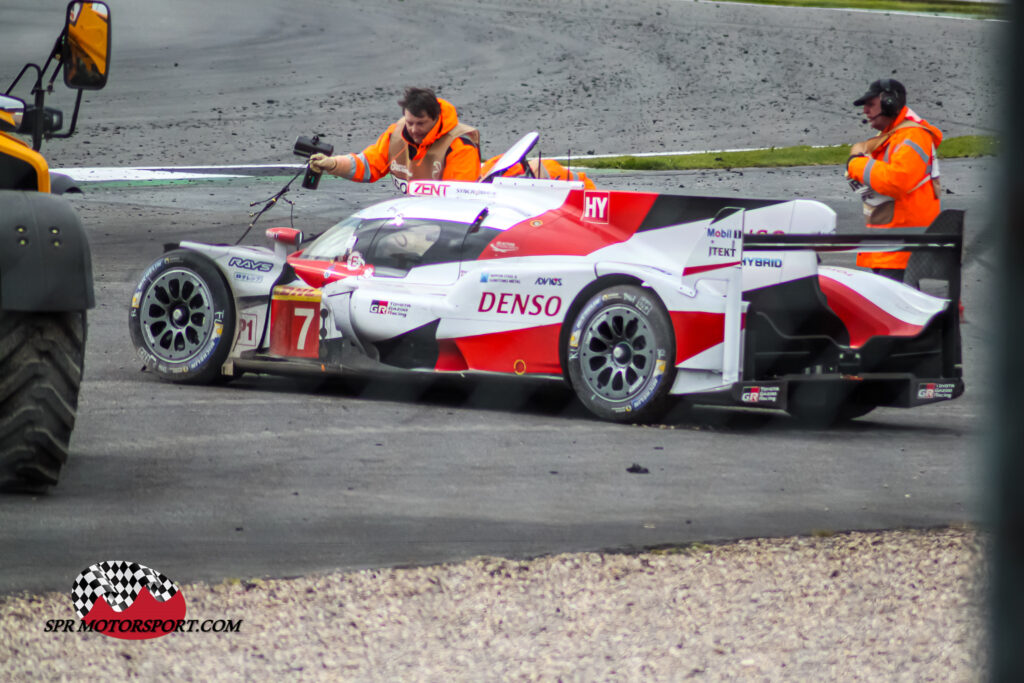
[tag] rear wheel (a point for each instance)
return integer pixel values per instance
(621, 355)
(182, 318)
(41, 360)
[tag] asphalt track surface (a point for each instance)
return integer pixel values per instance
(271, 476)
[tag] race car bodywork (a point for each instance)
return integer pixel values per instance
(631, 297)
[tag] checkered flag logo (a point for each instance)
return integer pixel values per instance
(119, 583)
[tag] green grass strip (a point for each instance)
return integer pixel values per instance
(979, 10)
(802, 155)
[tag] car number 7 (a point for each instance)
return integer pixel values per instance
(308, 314)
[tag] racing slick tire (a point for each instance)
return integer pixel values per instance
(182, 318)
(41, 361)
(621, 355)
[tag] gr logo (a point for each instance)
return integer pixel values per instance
(761, 394)
(127, 600)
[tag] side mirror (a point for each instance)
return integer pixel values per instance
(513, 156)
(85, 52)
(285, 236)
(12, 109)
(285, 240)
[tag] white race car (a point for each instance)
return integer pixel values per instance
(632, 298)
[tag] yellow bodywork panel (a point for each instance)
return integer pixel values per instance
(13, 150)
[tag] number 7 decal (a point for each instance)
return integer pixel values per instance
(307, 315)
(293, 333)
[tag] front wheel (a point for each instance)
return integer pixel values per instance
(621, 355)
(182, 318)
(41, 358)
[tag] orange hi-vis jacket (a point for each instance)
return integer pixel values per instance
(549, 169)
(903, 167)
(450, 151)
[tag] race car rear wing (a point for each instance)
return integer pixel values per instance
(936, 254)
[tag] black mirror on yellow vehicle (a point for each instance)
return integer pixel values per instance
(85, 52)
(11, 111)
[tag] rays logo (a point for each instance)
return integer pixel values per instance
(127, 600)
(249, 264)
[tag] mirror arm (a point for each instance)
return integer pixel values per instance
(58, 46)
(39, 77)
(74, 120)
(37, 123)
(39, 92)
(478, 221)
(55, 52)
(53, 76)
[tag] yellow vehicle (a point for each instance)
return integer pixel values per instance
(45, 264)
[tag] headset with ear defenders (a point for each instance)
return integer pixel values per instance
(889, 99)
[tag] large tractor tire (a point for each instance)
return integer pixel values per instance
(41, 360)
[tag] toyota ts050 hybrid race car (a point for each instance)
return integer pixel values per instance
(632, 298)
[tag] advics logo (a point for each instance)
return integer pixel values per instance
(127, 600)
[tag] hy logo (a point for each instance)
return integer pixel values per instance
(595, 206)
(115, 598)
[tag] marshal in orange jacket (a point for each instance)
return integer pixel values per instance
(450, 151)
(904, 167)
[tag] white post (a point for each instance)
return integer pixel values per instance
(733, 319)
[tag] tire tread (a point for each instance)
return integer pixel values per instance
(41, 363)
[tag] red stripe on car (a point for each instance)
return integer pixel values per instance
(530, 351)
(863, 319)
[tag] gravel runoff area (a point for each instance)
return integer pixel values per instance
(872, 606)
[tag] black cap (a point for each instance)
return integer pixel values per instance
(890, 85)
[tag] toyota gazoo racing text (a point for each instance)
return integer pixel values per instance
(632, 298)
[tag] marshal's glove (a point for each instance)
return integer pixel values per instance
(858, 148)
(867, 147)
(320, 162)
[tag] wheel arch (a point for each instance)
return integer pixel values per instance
(45, 262)
(61, 183)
